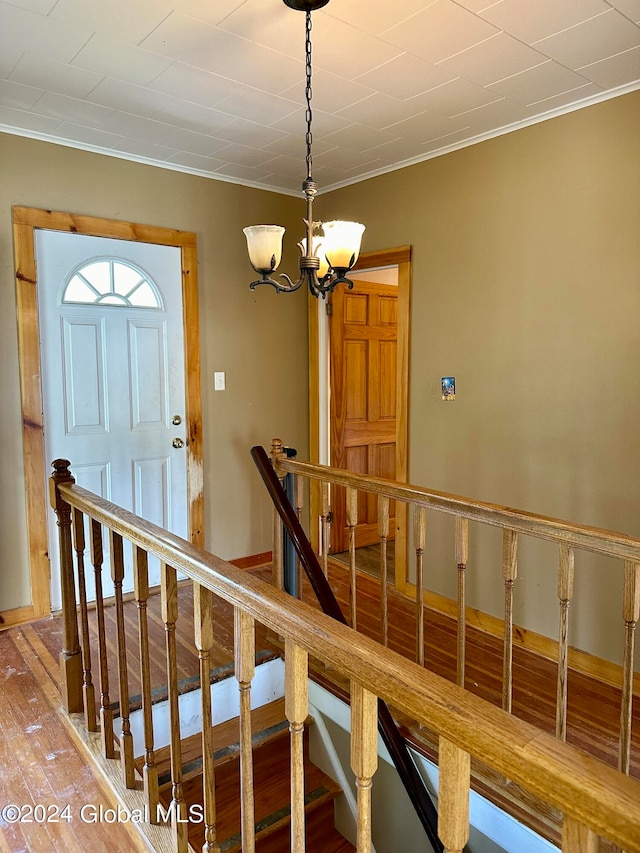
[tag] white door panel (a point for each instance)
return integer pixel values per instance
(113, 379)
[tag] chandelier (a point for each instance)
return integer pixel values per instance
(325, 259)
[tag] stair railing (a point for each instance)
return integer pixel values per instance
(595, 799)
(395, 743)
(514, 524)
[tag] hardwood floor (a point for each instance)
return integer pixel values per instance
(43, 763)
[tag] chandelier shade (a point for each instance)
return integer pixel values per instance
(324, 260)
(264, 244)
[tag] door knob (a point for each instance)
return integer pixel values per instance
(176, 420)
(177, 442)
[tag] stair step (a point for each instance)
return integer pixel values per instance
(266, 722)
(271, 768)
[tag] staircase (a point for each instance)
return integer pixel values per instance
(271, 769)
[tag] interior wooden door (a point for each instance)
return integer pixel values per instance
(363, 354)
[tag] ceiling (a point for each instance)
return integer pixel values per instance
(216, 87)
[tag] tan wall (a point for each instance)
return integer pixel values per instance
(250, 336)
(526, 287)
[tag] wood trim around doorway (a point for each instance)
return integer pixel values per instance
(400, 257)
(26, 221)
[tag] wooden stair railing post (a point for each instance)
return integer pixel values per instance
(141, 594)
(277, 566)
(70, 657)
(383, 533)
(565, 594)
(296, 711)
(203, 629)
(106, 712)
(419, 542)
(352, 521)
(178, 806)
(509, 574)
(577, 838)
(126, 738)
(325, 526)
(462, 558)
(630, 614)
(88, 689)
(364, 757)
(245, 665)
(453, 796)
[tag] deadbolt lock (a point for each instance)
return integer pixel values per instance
(176, 420)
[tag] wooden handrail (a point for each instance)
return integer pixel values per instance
(394, 741)
(587, 791)
(582, 536)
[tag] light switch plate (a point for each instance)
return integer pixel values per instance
(219, 381)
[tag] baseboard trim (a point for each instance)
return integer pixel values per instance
(583, 662)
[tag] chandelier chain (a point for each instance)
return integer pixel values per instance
(308, 93)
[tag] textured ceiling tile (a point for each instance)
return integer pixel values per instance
(25, 120)
(615, 70)
(440, 31)
(194, 84)
(61, 78)
(107, 56)
(454, 97)
(536, 84)
(349, 51)
(18, 95)
(72, 109)
(593, 40)
(117, 18)
(257, 106)
(330, 92)
(406, 76)
(630, 8)
(493, 59)
(88, 135)
(378, 17)
(41, 35)
(551, 16)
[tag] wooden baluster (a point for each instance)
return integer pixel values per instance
(352, 521)
(88, 689)
(277, 557)
(631, 614)
(577, 838)
(298, 492)
(509, 574)
(245, 663)
(462, 558)
(297, 710)
(178, 806)
(565, 594)
(126, 738)
(326, 527)
(383, 533)
(203, 624)
(141, 594)
(419, 541)
(70, 657)
(106, 713)
(364, 757)
(453, 796)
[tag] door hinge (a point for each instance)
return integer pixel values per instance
(329, 308)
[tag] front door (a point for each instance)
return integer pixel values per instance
(363, 353)
(112, 363)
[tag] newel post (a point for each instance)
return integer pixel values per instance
(70, 656)
(277, 559)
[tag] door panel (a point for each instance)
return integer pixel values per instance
(363, 354)
(112, 379)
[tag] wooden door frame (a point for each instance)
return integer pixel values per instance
(26, 221)
(401, 258)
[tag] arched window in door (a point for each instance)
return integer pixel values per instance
(111, 281)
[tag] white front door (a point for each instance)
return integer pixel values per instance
(113, 379)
